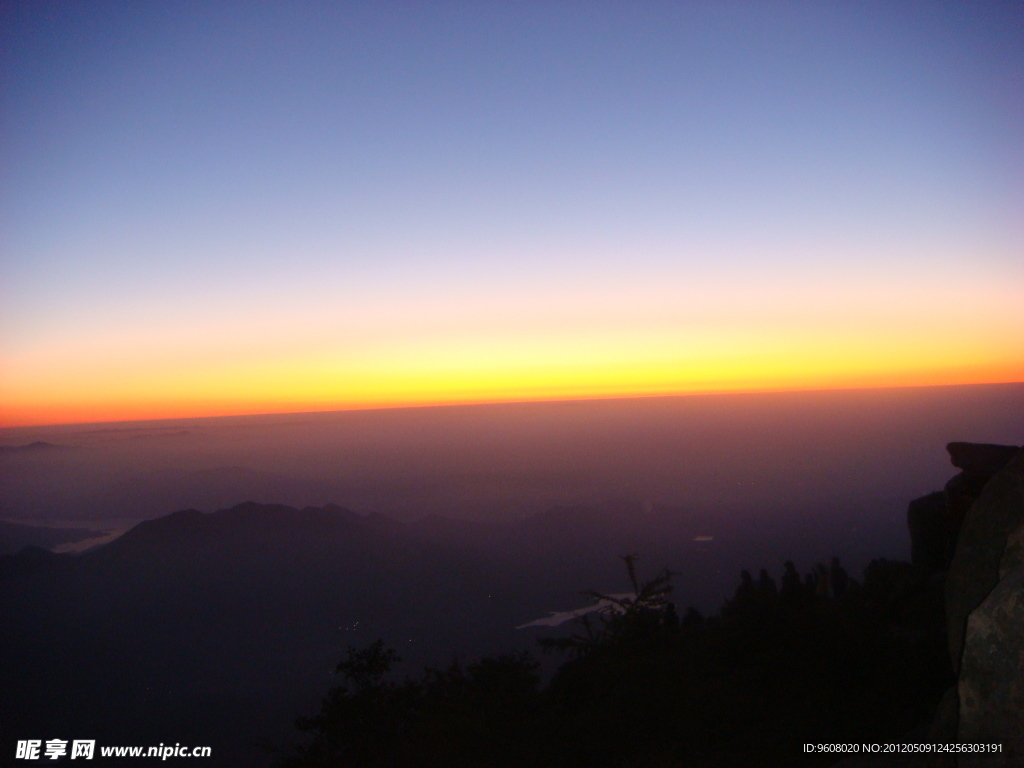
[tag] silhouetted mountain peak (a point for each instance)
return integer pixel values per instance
(249, 526)
(250, 508)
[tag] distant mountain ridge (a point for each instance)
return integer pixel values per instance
(195, 626)
(227, 623)
(16, 536)
(218, 627)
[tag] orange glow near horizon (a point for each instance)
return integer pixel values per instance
(467, 373)
(356, 216)
(103, 413)
(609, 343)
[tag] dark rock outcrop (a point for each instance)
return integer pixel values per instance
(931, 544)
(980, 462)
(980, 545)
(991, 680)
(935, 520)
(983, 509)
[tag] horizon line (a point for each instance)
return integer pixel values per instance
(540, 400)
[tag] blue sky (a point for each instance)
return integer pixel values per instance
(175, 167)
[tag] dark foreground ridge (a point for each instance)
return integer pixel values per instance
(823, 659)
(642, 686)
(216, 629)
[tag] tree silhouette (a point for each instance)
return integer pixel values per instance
(639, 687)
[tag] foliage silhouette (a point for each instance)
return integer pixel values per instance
(640, 687)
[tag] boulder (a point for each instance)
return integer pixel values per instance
(980, 459)
(984, 512)
(980, 545)
(991, 683)
(979, 462)
(980, 517)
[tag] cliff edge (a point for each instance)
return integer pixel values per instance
(979, 519)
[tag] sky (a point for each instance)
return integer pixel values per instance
(226, 208)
